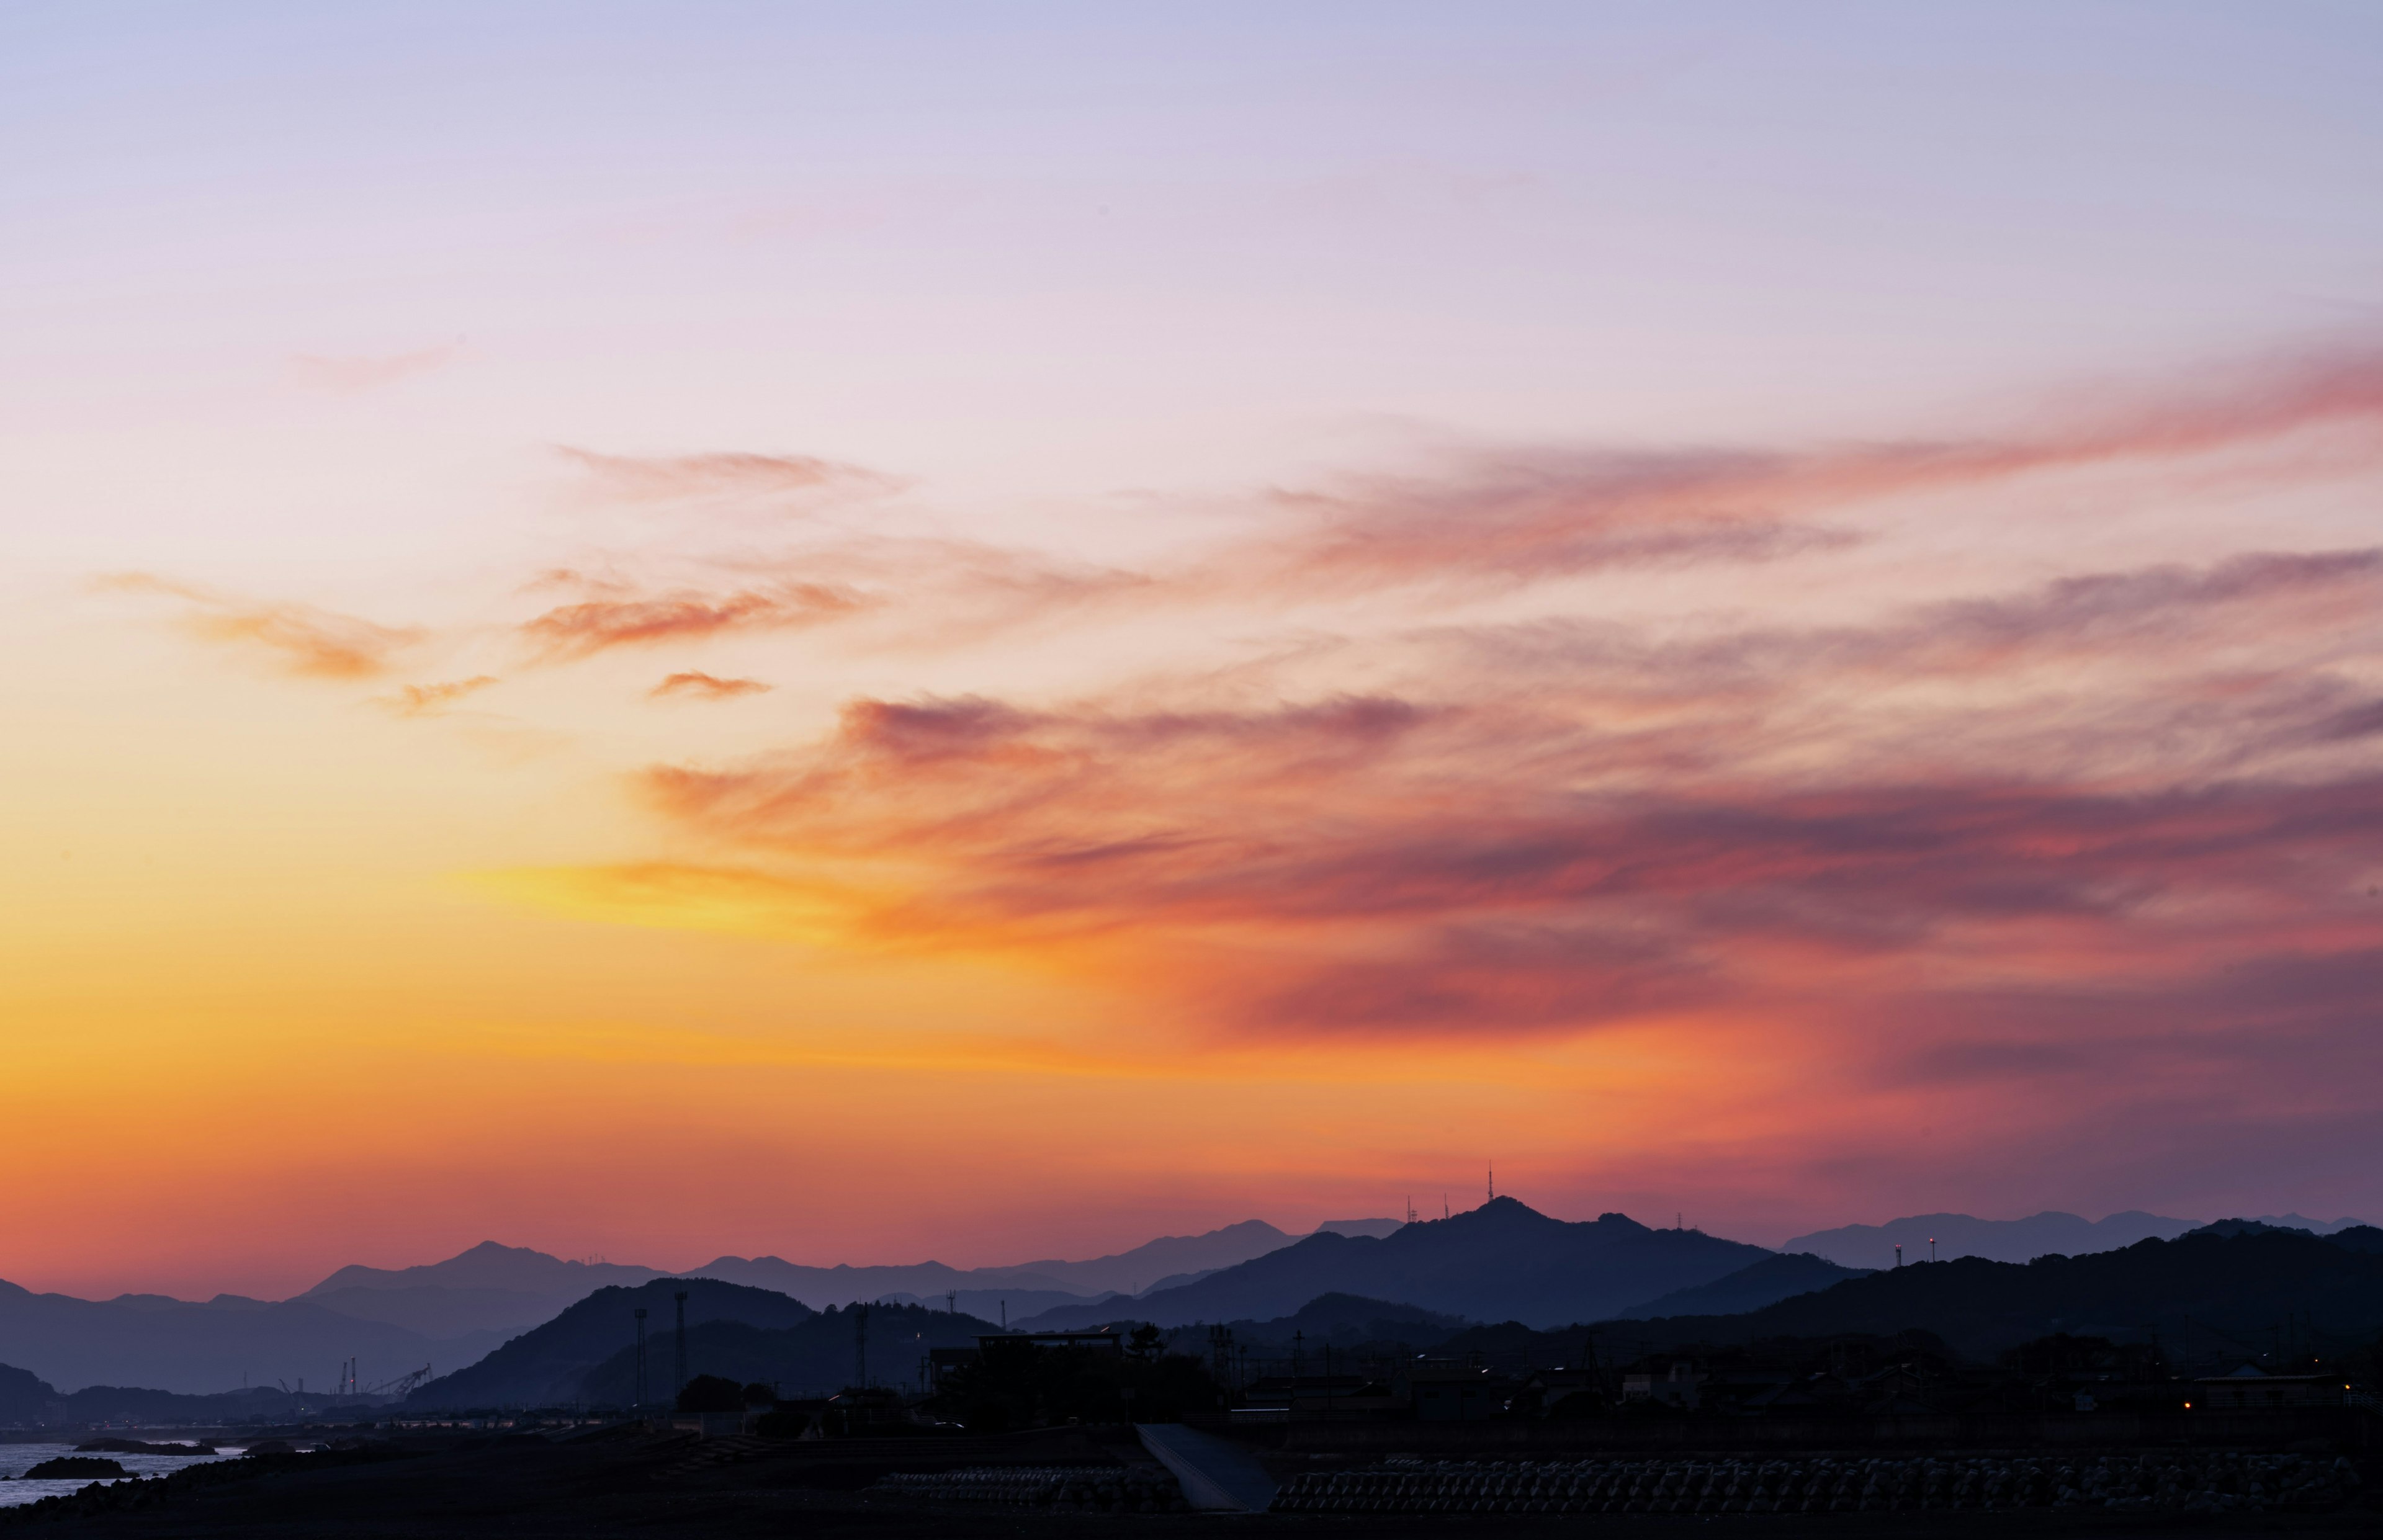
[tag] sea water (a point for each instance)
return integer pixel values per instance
(17, 1459)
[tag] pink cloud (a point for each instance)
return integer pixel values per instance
(301, 639)
(353, 376)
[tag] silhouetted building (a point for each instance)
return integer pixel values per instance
(1674, 1386)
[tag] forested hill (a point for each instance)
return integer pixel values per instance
(816, 1357)
(545, 1365)
(2241, 1286)
(1501, 1260)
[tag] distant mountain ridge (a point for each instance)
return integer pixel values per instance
(1961, 1235)
(2207, 1283)
(1750, 1288)
(1142, 1267)
(1501, 1260)
(151, 1341)
(490, 1288)
(516, 1269)
(450, 1313)
(27, 1400)
(2327, 1227)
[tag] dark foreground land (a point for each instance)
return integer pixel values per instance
(639, 1483)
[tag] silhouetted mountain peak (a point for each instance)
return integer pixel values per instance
(1503, 1260)
(2249, 1226)
(1501, 1215)
(547, 1361)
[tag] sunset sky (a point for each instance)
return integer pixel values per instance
(867, 633)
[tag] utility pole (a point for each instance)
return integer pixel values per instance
(640, 1314)
(681, 1366)
(860, 1345)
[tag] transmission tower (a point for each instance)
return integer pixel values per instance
(640, 1314)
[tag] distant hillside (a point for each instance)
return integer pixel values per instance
(146, 1339)
(998, 1304)
(545, 1367)
(27, 1400)
(1498, 1262)
(2357, 1238)
(816, 1357)
(505, 1269)
(1959, 1235)
(476, 1299)
(1377, 1228)
(2240, 1285)
(844, 1283)
(1345, 1320)
(25, 1396)
(1141, 1268)
(442, 1314)
(1763, 1283)
(1126, 1272)
(490, 1289)
(2314, 1226)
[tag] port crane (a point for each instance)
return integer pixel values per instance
(402, 1387)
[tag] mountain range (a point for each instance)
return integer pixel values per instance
(2050, 1233)
(2231, 1286)
(451, 1313)
(1500, 1261)
(151, 1341)
(1168, 1261)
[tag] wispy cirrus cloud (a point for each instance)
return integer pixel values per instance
(428, 700)
(594, 625)
(1530, 515)
(1500, 520)
(724, 476)
(355, 376)
(299, 638)
(694, 684)
(1497, 852)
